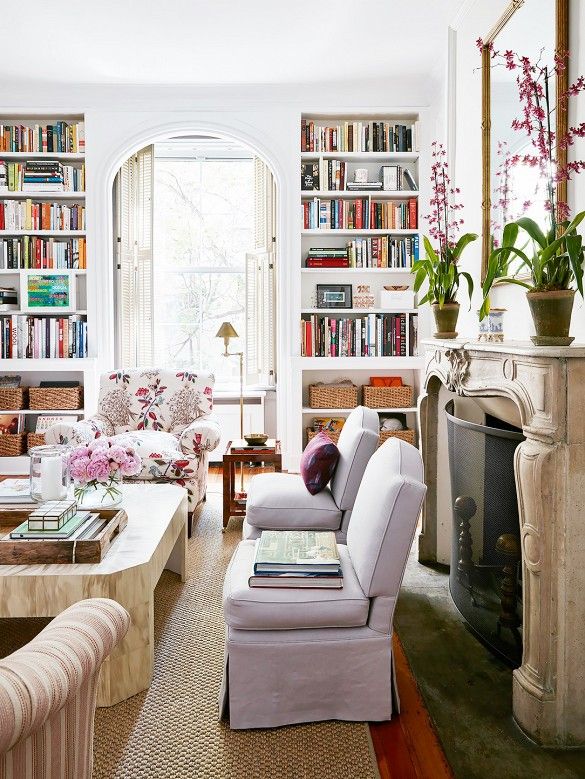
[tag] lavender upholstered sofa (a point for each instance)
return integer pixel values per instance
(295, 655)
(280, 501)
(48, 692)
(165, 414)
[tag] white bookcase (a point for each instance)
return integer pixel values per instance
(31, 370)
(359, 369)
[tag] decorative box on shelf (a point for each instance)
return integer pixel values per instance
(406, 435)
(13, 398)
(397, 298)
(34, 439)
(55, 398)
(387, 397)
(333, 396)
(12, 445)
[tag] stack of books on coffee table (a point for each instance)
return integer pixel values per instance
(297, 558)
(55, 519)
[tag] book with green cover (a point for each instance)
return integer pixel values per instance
(66, 531)
(297, 551)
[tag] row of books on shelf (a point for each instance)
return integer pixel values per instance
(370, 335)
(41, 176)
(38, 337)
(359, 214)
(38, 253)
(59, 138)
(359, 137)
(332, 175)
(381, 251)
(28, 215)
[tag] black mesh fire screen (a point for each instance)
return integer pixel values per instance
(485, 577)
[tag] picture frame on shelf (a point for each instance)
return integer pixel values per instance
(334, 296)
(48, 292)
(11, 424)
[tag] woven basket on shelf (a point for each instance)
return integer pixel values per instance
(333, 436)
(35, 439)
(406, 435)
(55, 398)
(13, 398)
(387, 397)
(12, 445)
(332, 397)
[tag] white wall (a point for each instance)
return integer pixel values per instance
(121, 119)
(475, 21)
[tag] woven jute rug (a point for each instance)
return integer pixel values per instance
(172, 730)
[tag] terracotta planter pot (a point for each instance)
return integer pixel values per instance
(551, 314)
(445, 319)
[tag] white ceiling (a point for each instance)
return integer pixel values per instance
(222, 41)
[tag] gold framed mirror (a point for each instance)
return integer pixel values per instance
(527, 27)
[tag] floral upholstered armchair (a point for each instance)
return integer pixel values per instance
(164, 414)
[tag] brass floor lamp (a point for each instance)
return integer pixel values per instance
(227, 331)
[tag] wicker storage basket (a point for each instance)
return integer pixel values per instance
(12, 398)
(55, 398)
(12, 445)
(332, 397)
(387, 397)
(406, 435)
(333, 436)
(35, 439)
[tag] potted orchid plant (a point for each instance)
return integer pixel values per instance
(554, 254)
(440, 266)
(97, 469)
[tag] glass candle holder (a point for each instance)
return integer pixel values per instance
(49, 474)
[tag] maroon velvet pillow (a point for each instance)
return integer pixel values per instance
(318, 462)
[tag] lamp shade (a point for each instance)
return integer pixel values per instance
(226, 330)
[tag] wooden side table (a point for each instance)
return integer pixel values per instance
(234, 503)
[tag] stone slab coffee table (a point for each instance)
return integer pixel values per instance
(155, 538)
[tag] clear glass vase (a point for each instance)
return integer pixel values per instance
(98, 494)
(49, 474)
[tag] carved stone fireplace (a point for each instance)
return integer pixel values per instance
(548, 387)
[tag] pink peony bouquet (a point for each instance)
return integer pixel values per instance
(101, 464)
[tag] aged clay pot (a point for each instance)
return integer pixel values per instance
(551, 314)
(445, 319)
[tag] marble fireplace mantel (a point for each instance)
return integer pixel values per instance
(548, 387)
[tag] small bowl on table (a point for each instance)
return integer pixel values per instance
(256, 439)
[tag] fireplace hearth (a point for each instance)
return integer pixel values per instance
(485, 577)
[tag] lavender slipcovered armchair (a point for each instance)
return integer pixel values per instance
(280, 501)
(165, 414)
(48, 693)
(302, 655)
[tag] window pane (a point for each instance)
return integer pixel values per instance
(203, 227)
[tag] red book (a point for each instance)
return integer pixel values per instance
(398, 348)
(2, 216)
(358, 215)
(412, 213)
(61, 354)
(308, 339)
(326, 262)
(303, 135)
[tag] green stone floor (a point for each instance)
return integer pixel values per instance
(467, 691)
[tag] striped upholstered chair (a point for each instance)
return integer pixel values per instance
(48, 693)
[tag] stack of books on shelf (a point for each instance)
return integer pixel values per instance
(359, 137)
(370, 335)
(35, 252)
(370, 186)
(297, 558)
(27, 215)
(58, 138)
(35, 337)
(8, 299)
(327, 257)
(383, 251)
(359, 214)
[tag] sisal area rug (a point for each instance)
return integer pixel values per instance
(172, 729)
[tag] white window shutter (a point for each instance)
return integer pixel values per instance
(260, 283)
(134, 190)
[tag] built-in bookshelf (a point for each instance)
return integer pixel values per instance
(359, 234)
(44, 258)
